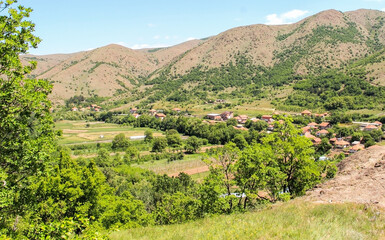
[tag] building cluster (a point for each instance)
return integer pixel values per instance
(315, 132)
(92, 107)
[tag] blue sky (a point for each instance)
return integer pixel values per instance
(68, 26)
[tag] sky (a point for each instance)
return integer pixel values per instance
(68, 26)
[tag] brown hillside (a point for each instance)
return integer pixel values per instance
(309, 43)
(102, 71)
(360, 179)
(261, 44)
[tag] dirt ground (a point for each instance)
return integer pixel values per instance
(360, 179)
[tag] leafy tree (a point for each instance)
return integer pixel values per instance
(26, 135)
(324, 147)
(148, 136)
(192, 144)
(159, 144)
(294, 154)
(103, 159)
(258, 170)
(120, 141)
(223, 162)
(173, 139)
(240, 141)
(177, 208)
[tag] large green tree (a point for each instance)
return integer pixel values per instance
(26, 135)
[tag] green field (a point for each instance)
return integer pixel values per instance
(79, 132)
(293, 220)
(164, 167)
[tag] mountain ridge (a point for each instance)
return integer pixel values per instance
(329, 39)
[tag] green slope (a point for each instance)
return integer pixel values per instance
(293, 220)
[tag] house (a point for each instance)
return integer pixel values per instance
(242, 118)
(214, 116)
(356, 143)
(305, 129)
(135, 115)
(176, 110)
(97, 109)
(254, 119)
(377, 124)
(160, 116)
(227, 115)
(322, 133)
(74, 109)
(133, 110)
(324, 125)
(312, 125)
(309, 135)
(356, 148)
(370, 128)
(240, 127)
(152, 112)
(267, 118)
(341, 144)
(316, 141)
(306, 113)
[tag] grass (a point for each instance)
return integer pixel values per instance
(165, 167)
(293, 220)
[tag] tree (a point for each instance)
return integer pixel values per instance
(120, 141)
(173, 138)
(193, 144)
(159, 144)
(294, 155)
(223, 165)
(26, 133)
(148, 136)
(240, 141)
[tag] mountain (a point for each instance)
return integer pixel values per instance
(103, 71)
(242, 61)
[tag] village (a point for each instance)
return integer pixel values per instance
(313, 130)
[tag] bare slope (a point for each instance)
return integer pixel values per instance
(329, 39)
(103, 71)
(360, 179)
(266, 44)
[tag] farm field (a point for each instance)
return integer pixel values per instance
(81, 132)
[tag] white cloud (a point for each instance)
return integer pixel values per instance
(237, 19)
(190, 38)
(167, 37)
(156, 37)
(141, 46)
(150, 25)
(383, 9)
(285, 18)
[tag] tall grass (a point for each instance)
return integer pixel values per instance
(293, 220)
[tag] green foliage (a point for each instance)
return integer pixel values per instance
(192, 144)
(337, 91)
(120, 142)
(177, 208)
(159, 144)
(26, 135)
(148, 135)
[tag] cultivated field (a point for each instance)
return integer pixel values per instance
(80, 132)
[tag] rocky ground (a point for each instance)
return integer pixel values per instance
(360, 179)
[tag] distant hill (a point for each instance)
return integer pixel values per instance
(239, 62)
(104, 71)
